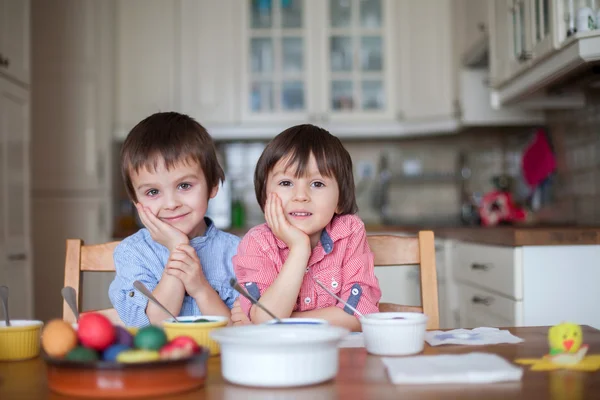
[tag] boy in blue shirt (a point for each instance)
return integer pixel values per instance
(170, 168)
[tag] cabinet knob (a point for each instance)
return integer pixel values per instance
(486, 301)
(4, 61)
(481, 267)
(17, 257)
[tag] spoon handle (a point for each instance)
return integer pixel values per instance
(338, 298)
(234, 284)
(142, 288)
(4, 297)
(68, 293)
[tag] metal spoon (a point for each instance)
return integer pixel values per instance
(338, 298)
(142, 288)
(68, 293)
(234, 284)
(4, 297)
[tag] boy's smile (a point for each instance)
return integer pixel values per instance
(178, 196)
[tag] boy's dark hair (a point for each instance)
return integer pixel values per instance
(297, 143)
(171, 137)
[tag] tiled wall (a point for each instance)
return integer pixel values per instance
(576, 134)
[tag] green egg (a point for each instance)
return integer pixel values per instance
(81, 353)
(150, 338)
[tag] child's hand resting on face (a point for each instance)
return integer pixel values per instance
(184, 264)
(160, 231)
(282, 229)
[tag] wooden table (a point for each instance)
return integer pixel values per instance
(363, 376)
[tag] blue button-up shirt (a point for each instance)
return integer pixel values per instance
(138, 257)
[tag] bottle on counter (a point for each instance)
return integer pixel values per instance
(238, 213)
(586, 18)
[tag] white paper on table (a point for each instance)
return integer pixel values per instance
(476, 336)
(451, 368)
(353, 339)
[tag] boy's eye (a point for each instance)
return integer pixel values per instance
(152, 192)
(285, 183)
(185, 186)
(318, 184)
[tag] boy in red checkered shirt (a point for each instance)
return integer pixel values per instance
(305, 186)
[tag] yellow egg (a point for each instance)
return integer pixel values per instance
(137, 356)
(58, 338)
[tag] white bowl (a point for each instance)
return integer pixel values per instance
(299, 321)
(279, 355)
(394, 333)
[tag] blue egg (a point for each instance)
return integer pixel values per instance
(110, 354)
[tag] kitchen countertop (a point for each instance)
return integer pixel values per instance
(499, 236)
(507, 235)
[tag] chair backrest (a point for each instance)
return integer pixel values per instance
(390, 250)
(93, 258)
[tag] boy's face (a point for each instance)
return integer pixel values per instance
(178, 196)
(310, 201)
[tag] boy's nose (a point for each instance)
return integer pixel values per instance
(171, 202)
(301, 194)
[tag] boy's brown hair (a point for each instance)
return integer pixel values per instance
(171, 138)
(298, 143)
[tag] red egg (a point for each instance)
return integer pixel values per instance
(96, 331)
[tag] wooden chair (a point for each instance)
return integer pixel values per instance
(392, 250)
(81, 258)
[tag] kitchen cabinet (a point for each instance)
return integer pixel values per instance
(58, 219)
(15, 240)
(526, 285)
(73, 96)
(14, 40)
(318, 61)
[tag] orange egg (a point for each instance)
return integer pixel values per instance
(58, 338)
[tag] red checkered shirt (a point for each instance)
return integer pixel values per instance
(342, 260)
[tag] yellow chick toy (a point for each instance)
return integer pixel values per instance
(565, 338)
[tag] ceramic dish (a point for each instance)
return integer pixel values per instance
(198, 330)
(279, 355)
(298, 321)
(21, 340)
(111, 379)
(394, 333)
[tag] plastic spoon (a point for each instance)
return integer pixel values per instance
(338, 298)
(144, 290)
(4, 297)
(68, 293)
(234, 284)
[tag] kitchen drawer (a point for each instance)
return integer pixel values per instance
(496, 268)
(479, 307)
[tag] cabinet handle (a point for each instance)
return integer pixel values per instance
(524, 56)
(481, 267)
(4, 61)
(17, 257)
(486, 301)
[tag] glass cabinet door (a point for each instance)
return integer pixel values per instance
(357, 65)
(276, 52)
(519, 19)
(541, 24)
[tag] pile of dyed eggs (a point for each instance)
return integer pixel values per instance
(96, 338)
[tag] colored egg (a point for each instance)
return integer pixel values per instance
(81, 353)
(137, 356)
(150, 338)
(58, 338)
(122, 336)
(96, 331)
(111, 353)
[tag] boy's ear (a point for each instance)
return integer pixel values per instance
(214, 192)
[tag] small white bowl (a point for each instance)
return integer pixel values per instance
(299, 321)
(279, 355)
(394, 333)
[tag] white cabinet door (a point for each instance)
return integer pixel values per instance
(72, 121)
(542, 27)
(424, 61)
(14, 39)
(499, 42)
(147, 57)
(209, 60)
(57, 220)
(15, 240)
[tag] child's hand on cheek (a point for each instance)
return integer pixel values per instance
(282, 229)
(161, 232)
(184, 264)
